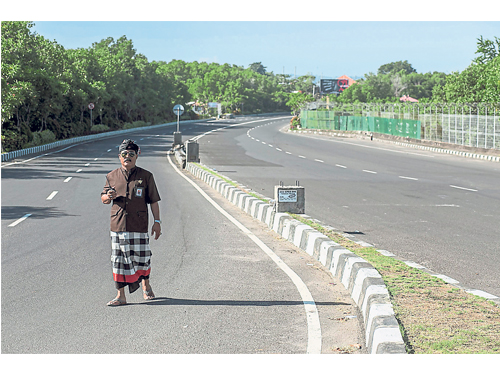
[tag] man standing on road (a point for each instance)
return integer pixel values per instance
(131, 189)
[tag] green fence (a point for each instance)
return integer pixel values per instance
(329, 120)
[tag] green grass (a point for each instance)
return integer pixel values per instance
(434, 316)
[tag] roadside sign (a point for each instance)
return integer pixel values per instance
(91, 105)
(178, 109)
(287, 195)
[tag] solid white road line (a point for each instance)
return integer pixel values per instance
(68, 179)
(462, 188)
(312, 316)
(19, 220)
(52, 195)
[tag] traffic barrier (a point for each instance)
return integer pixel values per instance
(37, 149)
(360, 278)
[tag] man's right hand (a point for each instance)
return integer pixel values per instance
(111, 194)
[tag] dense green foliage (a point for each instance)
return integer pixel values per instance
(480, 82)
(391, 82)
(46, 88)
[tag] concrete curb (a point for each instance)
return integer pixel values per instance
(360, 278)
(465, 154)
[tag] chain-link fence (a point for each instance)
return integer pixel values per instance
(474, 125)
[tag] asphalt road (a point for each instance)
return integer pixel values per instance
(438, 210)
(217, 292)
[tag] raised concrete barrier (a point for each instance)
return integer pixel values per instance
(360, 278)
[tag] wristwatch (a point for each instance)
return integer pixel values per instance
(158, 221)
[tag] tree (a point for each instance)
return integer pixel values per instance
(479, 82)
(297, 101)
(487, 49)
(396, 67)
(257, 67)
(398, 84)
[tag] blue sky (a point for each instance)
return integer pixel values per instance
(429, 36)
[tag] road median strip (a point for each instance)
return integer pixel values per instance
(405, 309)
(362, 281)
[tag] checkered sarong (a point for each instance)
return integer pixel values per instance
(130, 257)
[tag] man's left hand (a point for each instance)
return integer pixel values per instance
(156, 230)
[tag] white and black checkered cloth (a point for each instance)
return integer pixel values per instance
(130, 257)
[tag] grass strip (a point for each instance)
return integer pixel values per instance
(434, 317)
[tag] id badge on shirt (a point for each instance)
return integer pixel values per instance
(139, 192)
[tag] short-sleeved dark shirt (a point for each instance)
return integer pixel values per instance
(135, 190)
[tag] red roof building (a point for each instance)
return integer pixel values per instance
(350, 81)
(407, 98)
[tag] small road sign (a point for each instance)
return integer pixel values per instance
(178, 109)
(91, 105)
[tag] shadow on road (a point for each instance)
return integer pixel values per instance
(15, 212)
(163, 301)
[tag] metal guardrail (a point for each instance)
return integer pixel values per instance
(33, 150)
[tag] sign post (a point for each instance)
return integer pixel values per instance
(178, 110)
(91, 107)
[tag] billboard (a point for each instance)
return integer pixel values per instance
(333, 86)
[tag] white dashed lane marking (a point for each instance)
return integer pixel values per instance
(19, 220)
(344, 167)
(462, 188)
(52, 195)
(68, 179)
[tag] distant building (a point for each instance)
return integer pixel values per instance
(407, 98)
(335, 86)
(349, 80)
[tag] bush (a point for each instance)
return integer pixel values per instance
(99, 128)
(12, 141)
(294, 123)
(42, 138)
